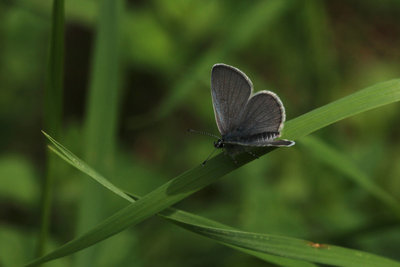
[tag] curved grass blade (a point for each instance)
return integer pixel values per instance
(170, 213)
(369, 98)
(293, 248)
(68, 156)
(262, 246)
(201, 176)
(345, 165)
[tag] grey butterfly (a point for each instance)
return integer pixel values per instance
(244, 119)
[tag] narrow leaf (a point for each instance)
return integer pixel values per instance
(170, 214)
(68, 156)
(294, 248)
(52, 113)
(371, 97)
(100, 123)
(345, 165)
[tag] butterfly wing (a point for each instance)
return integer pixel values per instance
(281, 142)
(262, 121)
(230, 90)
(259, 141)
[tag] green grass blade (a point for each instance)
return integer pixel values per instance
(55, 71)
(65, 154)
(101, 117)
(293, 248)
(331, 157)
(191, 222)
(52, 112)
(170, 213)
(371, 97)
(258, 245)
(199, 177)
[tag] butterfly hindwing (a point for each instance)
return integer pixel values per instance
(264, 112)
(261, 122)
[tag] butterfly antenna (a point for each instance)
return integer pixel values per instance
(203, 133)
(209, 156)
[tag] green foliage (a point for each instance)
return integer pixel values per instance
(136, 76)
(24, 189)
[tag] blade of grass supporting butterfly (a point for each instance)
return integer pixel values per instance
(342, 163)
(52, 112)
(198, 177)
(170, 213)
(258, 245)
(369, 98)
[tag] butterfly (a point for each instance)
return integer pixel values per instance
(245, 119)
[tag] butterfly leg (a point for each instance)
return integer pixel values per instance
(253, 154)
(248, 151)
(231, 152)
(233, 158)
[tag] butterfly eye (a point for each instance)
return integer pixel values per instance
(218, 144)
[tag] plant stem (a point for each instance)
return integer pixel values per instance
(52, 114)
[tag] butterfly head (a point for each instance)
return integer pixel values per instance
(219, 143)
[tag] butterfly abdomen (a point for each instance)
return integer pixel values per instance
(260, 137)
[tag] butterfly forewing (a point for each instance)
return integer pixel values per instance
(230, 90)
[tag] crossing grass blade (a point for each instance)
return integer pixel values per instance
(171, 214)
(263, 246)
(292, 248)
(201, 176)
(340, 162)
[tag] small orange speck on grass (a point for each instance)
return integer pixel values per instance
(317, 245)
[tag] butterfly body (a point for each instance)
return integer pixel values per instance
(260, 138)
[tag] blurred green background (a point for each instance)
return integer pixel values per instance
(309, 52)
